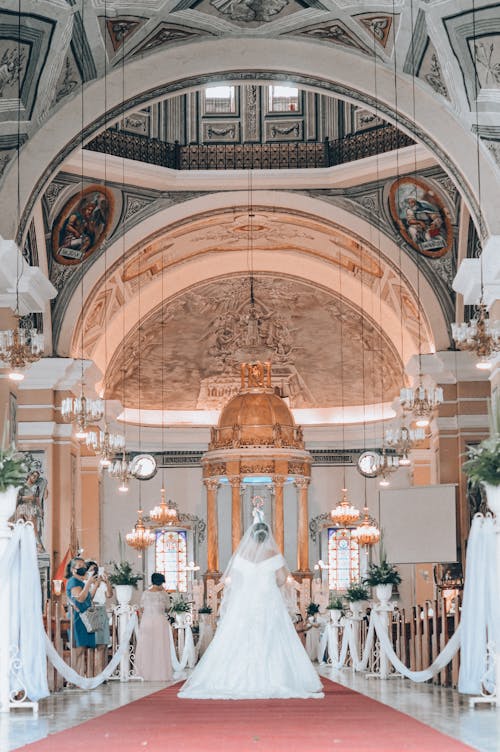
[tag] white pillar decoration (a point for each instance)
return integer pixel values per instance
(7, 508)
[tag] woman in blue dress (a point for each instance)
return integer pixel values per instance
(79, 592)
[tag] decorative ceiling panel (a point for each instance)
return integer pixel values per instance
(325, 352)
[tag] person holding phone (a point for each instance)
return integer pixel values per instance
(80, 588)
(101, 592)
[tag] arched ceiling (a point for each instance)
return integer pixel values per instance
(185, 355)
(366, 46)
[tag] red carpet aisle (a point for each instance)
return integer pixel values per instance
(344, 720)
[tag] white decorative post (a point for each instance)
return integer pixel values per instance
(493, 501)
(383, 608)
(7, 508)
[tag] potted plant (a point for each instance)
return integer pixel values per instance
(483, 468)
(180, 609)
(336, 608)
(12, 476)
(205, 609)
(483, 464)
(382, 577)
(355, 594)
(312, 611)
(124, 580)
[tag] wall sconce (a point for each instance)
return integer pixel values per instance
(57, 587)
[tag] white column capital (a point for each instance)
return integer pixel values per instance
(33, 287)
(467, 280)
(446, 367)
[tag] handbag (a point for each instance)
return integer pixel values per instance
(91, 619)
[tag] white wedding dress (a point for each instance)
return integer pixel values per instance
(256, 652)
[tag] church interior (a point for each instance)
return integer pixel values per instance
(249, 268)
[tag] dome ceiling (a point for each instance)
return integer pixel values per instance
(186, 355)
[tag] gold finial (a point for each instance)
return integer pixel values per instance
(256, 375)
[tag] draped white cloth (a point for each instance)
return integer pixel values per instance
(82, 681)
(19, 569)
(480, 622)
(188, 657)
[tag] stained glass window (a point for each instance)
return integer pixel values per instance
(343, 558)
(171, 558)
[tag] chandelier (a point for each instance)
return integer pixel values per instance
(164, 513)
(344, 514)
(402, 440)
(421, 402)
(480, 336)
(367, 533)
(82, 412)
(105, 445)
(385, 466)
(140, 537)
(19, 347)
(121, 470)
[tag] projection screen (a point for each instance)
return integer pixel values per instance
(419, 524)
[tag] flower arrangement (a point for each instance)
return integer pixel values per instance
(205, 609)
(382, 574)
(335, 603)
(122, 574)
(12, 469)
(356, 592)
(312, 609)
(483, 463)
(179, 605)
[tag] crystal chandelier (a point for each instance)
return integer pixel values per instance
(367, 533)
(105, 445)
(480, 335)
(421, 402)
(140, 537)
(402, 440)
(344, 514)
(82, 412)
(386, 465)
(19, 347)
(164, 513)
(121, 470)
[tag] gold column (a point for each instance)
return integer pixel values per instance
(303, 526)
(279, 516)
(235, 481)
(212, 485)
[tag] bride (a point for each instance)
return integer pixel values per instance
(256, 652)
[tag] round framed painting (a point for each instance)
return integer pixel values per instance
(420, 214)
(82, 225)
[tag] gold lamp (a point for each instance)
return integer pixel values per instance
(367, 533)
(164, 513)
(344, 514)
(140, 537)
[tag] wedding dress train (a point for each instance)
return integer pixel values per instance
(256, 652)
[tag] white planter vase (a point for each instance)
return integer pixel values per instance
(383, 593)
(356, 608)
(182, 618)
(335, 614)
(124, 594)
(493, 498)
(8, 500)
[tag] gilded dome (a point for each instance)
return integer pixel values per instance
(256, 417)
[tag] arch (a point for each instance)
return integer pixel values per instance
(170, 70)
(190, 269)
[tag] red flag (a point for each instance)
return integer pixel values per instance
(61, 569)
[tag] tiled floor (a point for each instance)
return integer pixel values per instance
(443, 709)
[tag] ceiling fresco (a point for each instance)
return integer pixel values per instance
(186, 354)
(226, 231)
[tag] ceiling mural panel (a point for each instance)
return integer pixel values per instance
(226, 231)
(194, 343)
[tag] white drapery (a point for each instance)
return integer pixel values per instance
(21, 577)
(480, 609)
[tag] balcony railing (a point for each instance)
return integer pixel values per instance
(279, 156)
